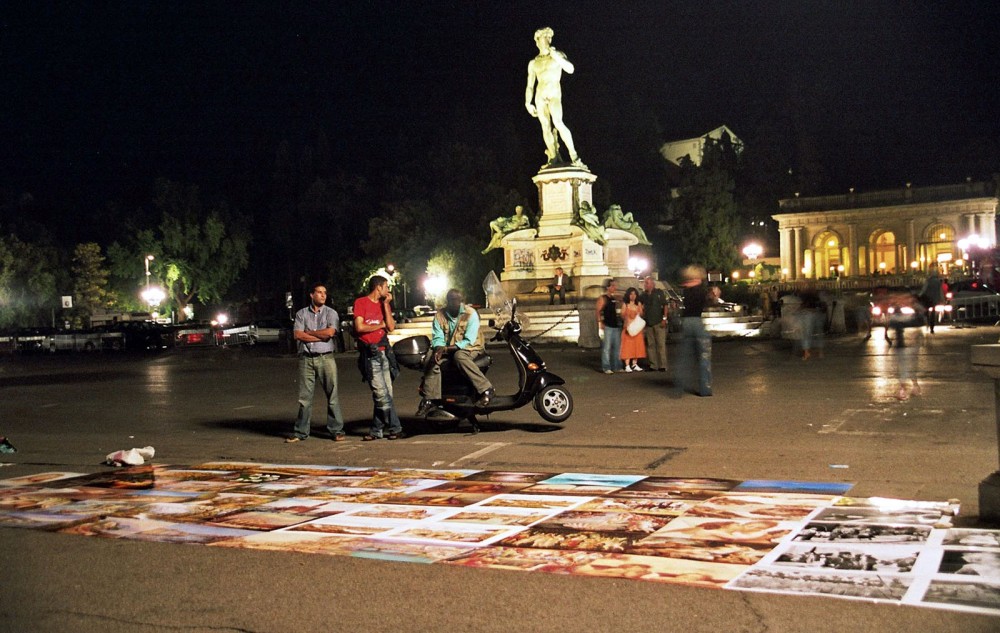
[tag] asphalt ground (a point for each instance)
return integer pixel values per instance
(773, 416)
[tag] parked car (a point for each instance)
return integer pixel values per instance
(194, 335)
(269, 331)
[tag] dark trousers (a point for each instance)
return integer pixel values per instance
(552, 294)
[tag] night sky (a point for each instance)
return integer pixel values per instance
(99, 98)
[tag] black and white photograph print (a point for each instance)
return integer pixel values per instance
(969, 562)
(862, 533)
(880, 558)
(981, 595)
(972, 538)
(844, 585)
(900, 516)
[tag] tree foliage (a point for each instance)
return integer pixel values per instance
(90, 281)
(197, 253)
(704, 215)
(27, 282)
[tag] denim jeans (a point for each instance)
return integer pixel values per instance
(611, 346)
(384, 414)
(321, 369)
(695, 343)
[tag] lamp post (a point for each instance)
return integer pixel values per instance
(145, 261)
(391, 269)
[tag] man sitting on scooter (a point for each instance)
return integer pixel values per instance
(455, 334)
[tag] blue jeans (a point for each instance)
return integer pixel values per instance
(322, 369)
(695, 342)
(611, 346)
(384, 414)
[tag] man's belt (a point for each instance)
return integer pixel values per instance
(315, 354)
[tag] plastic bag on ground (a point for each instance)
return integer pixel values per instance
(130, 457)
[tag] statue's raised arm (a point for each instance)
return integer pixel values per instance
(543, 98)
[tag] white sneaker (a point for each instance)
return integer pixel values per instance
(636, 368)
(608, 371)
(628, 368)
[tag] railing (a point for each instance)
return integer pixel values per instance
(975, 307)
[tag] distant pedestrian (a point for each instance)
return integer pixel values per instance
(812, 322)
(314, 329)
(633, 345)
(610, 328)
(932, 297)
(373, 321)
(696, 343)
(654, 310)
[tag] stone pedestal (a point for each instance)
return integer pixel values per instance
(531, 256)
(986, 358)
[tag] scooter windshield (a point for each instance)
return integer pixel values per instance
(498, 301)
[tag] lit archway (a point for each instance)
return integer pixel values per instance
(827, 256)
(938, 246)
(885, 258)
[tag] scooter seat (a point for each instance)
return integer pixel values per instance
(483, 362)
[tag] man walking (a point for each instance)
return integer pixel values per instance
(314, 329)
(696, 342)
(654, 302)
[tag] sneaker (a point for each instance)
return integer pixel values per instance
(608, 371)
(636, 368)
(628, 369)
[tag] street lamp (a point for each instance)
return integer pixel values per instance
(435, 285)
(637, 265)
(153, 295)
(397, 277)
(752, 251)
(145, 261)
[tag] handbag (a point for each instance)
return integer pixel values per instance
(636, 326)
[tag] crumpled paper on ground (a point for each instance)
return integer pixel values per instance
(130, 457)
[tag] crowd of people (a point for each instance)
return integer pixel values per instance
(633, 331)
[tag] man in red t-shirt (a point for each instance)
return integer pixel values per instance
(372, 323)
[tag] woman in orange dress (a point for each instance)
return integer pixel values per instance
(633, 347)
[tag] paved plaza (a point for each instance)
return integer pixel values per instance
(774, 419)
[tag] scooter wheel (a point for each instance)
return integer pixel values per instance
(554, 404)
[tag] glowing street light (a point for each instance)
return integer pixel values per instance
(153, 296)
(752, 251)
(637, 265)
(435, 285)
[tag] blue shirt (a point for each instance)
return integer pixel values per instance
(439, 338)
(308, 321)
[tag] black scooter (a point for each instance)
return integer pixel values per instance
(535, 384)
